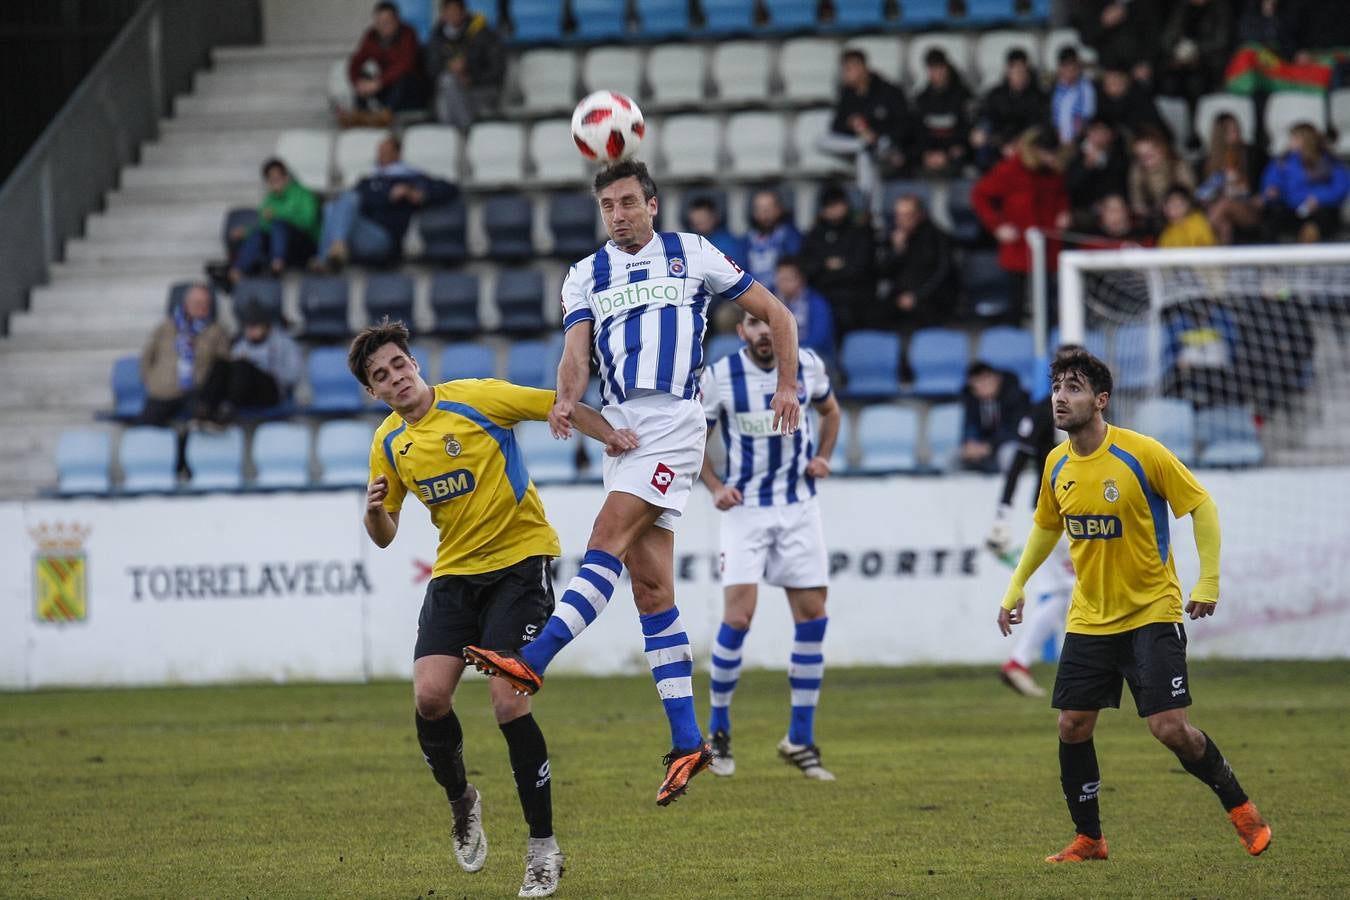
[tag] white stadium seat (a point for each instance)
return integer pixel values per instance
(355, 153)
(755, 142)
(554, 153)
(547, 80)
(496, 153)
(741, 71)
(308, 153)
(676, 74)
(1211, 106)
(1177, 115)
(613, 69)
(810, 69)
(1285, 110)
(991, 55)
(810, 126)
(339, 87)
(691, 146)
(956, 46)
(885, 55)
(434, 149)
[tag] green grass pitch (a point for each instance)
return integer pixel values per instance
(948, 786)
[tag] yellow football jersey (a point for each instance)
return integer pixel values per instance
(462, 461)
(1113, 504)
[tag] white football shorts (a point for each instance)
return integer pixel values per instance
(669, 456)
(781, 545)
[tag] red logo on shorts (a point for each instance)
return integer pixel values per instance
(663, 477)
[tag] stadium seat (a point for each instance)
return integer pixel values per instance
(885, 55)
(871, 364)
(938, 357)
(722, 345)
(343, 452)
(308, 153)
(755, 142)
(943, 433)
(444, 231)
(554, 154)
(1013, 349)
(323, 303)
(520, 299)
(508, 220)
(546, 459)
(148, 458)
(1340, 119)
(1211, 106)
(1129, 362)
(1056, 40)
(355, 153)
(547, 80)
(923, 13)
(127, 390)
(488, 8)
(599, 20)
(787, 16)
(612, 69)
(536, 21)
(986, 13)
(497, 153)
(265, 292)
(389, 294)
(573, 218)
(1171, 422)
(527, 364)
(691, 146)
(216, 460)
(991, 54)
(957, 47)
(676, 74)
(888, 439)
(1176, 115)
(1228, 437)
(468, 360)
(965, 225)
(244, 217)
(435, 149)
(1285, 110)
(808, 128)
(281, 455)
(422, 354)
(333, 390)
(338, 85)
(663, 18)
(988, 287)
(859, 14)
(724, 17)
(809, 67)
(454, 304)
(1093, 341)
(83, 462)
(740, 71)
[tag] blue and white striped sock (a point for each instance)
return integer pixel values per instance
(672, 662)
(805, 672)
(726, 671)
(587, 595)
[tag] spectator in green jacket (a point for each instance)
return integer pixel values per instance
(288, 225)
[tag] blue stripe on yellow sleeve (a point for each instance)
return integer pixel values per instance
(516, 473)
(389, 445)
(1157, 506)
(1054, 473)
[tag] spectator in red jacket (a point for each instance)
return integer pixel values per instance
(385, 70)
(1023, 191)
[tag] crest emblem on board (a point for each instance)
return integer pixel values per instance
(60, 575)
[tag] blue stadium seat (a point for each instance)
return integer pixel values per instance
(281, 455)
(1129, 358)
(663, 18)
(922, 13)
(966, 228)
(323, 302)
(1093, 341)
(987, 13)
(128, 391)
(536, 21)
(724, 17)
(507, 219)
(444, 230)
(520, 299)
(888, 438)
(1228, 437)
(264, 292)
(599, 20)
(1014, 349)
(1171, 422)
(454, 304)
(239, 217)
(422, 354)
(148, 458)
(343, 451)
(572, 219)
(83, 462)
(944, 434)
(389, 294)
(792, 15)
(546, 459)
(988, 287)
(488, 8)
(333, 390)
(938, 357)
(468, 360)
(216, 461)
(527, 364)
(871, 363)
(722, 345)
(859, 14)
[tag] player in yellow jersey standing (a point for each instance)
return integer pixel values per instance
(452, 446)
(1110, 489)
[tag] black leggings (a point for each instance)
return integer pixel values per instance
(241, 383)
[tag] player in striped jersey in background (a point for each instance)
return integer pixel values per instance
(640, 304)
(771, 530)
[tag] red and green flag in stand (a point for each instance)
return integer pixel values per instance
(1255, 68)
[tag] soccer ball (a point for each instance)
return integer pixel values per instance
(607, 127)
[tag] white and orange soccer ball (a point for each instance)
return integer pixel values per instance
(607, 127)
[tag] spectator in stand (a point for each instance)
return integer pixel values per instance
(772, 235)
(919, 269)
(1202, 345)
(1196, 43)
(942, 110)
(1228, 176)
(179, 355)
(1153, 171)
(1115, 228)
(871, 124)
(288, 225)
(1074, 100)
(1123, 32)
(1303, 190)
(704, 219)
(262, 368)
(1025, 190)
(1269, 23)
(838, 256)
(815, 321)
(1097, 168)
(1318, 25)
(1186, 223)
(369, 222)
(994, 403)
(385, 70)
(1016, 104)
(1127, 104)
(466, 65)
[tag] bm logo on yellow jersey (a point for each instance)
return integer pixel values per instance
(446, 487)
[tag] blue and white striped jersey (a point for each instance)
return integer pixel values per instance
(769, 469)
(649, 310)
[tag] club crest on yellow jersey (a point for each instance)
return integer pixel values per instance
(1110, 491)
(453, 448)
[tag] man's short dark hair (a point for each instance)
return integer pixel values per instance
(460, 3)
(853, 54)
(935, 57)
(372, 338)
(271, 163)
(627, 168)
(1180, 190)
(386, 6)
(1017, 55)
(790, 261)
(1093, 370)
(1067, 55)
(703, 201)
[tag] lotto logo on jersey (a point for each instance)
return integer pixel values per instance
(663, 478)
(446, 487)
(663, 291)
(1093, 528)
